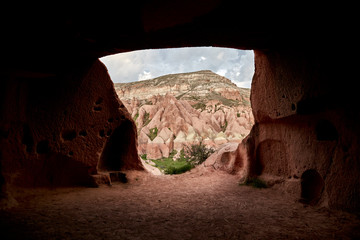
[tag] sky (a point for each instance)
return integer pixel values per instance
(236, 65)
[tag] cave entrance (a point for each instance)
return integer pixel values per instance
(117, 148)
(182, 97)
(312, 185)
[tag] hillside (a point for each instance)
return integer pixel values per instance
(176, 110)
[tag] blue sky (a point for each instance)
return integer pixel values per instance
(237, 65)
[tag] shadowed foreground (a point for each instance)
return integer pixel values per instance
(189, 206)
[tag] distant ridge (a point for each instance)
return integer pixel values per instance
(204, 85)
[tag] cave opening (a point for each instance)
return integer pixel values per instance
(181, 98)
(312, 185)
(117, 148)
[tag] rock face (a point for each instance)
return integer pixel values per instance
(304, 93)
(231, 157)
(59, 137)
(302, 135)
(178, 110)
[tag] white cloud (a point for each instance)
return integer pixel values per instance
(202, 58)
(237, 65)
(246, 84)
(221, 72)
(145, 75)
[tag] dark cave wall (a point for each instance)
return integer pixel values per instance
(305, 121)
(55, 126)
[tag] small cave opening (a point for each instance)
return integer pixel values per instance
(117, 148)
(312, 185)
(326, 131)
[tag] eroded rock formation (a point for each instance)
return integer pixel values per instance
(58, 130)
(178, 110)
(302, 134)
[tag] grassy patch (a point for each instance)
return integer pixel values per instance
(178, 170)
(153, 133)
(169, 166)
(254, 182)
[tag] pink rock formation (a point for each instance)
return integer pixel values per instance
(190, 117)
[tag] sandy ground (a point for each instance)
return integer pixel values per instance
(189, 206)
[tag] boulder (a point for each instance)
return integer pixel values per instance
(230, 157)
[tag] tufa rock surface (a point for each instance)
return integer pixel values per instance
(57, 131)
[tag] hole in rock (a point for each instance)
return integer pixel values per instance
(97, 109)
(117, 147)
(68, 135)
(99, 101)
(312, 185)
(186, 103)
(83, 133)
(43, 147)
(326, 131)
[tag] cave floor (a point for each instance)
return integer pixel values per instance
(189, 206)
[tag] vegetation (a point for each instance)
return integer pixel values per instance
(153, 133)
(178, 170)
(144, 156)
(169, 166)
(146, 119)
(254, 182)
(197, 154)
(199, 105)
(223, 127)
(188, 159)
(136, 116)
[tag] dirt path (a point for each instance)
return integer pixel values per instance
(189, 206)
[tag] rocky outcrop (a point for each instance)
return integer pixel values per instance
(179, 110)
(56, 131)
(302, 136)
(231, 158)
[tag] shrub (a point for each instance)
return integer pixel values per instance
(197, 154)
(144, 156)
